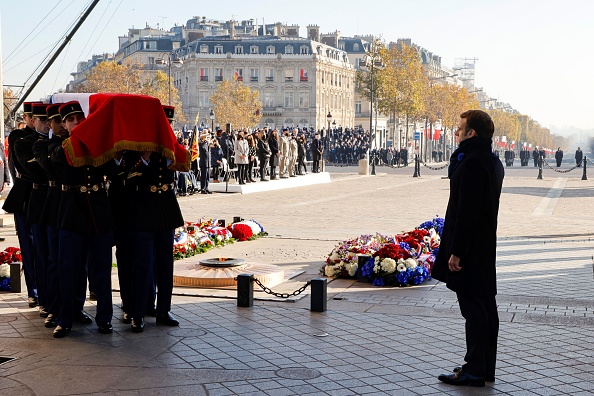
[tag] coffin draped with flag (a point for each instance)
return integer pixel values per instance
(123, 122)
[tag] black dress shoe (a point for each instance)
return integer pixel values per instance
(488, 378)
(151, 311)
(42, 312)
(105, 328)
(137, 325)
(32, 301)
(50, 321)
(167, 319)
(126, 319)
(461, 378)
(82, 317)
(61, 332)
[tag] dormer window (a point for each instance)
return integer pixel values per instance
(304, 50)
(218, 49)
(204, 49)
(254, 49)
(238, 49)
(270, 50)
(289, 49)
(356, 47)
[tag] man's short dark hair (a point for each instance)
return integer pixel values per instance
(480, 121)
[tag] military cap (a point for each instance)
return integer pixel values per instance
(70, 108)
(169, 112)
(27, 107)
(38, 110)
(53, 111)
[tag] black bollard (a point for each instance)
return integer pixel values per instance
(222, 223)
(539, 177)
(417, 173)
(245, 290)
(584, 175)
(373, 165)
(319, 294)
(237, 219)
(15, 277)
(361, 261)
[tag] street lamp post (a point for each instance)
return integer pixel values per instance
(329, 118)
(212, 118)
(169, 61)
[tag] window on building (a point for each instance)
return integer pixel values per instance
(270, 50)
(289, 100)
(356, 47)
(358, 107)
(304, 50)
(150, 45)
(203, 74)
(238, 49)
(303, 75)
(289, 49)
(151, 60)
(239, 74)
(269, 99)
(254, 49)
(203, 99)
(204, 49)
(269, 74)
(254, 75)
(218, 49)
(218, 74)
(303, 100)
(289, 123)
(289, 75)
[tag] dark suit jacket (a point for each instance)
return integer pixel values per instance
(18, 198)
(470, 229)
(149, 211)
(41, 150)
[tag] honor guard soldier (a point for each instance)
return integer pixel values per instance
(23, 149)
(49, 214)
(17, 202)
(151, 221)
(85, 231)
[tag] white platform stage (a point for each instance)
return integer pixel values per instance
(299, 181)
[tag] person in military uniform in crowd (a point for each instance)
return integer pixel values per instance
(49, 215)
(23, 150)
(559, 156)
(85, 231)
(579, 156)
(204, 161)
(535, 155)
(152, 217)
(404, 156)
(17, 202)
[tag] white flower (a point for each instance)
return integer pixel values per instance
(329, 270)
(388, 265)
(351, 268)
(377, 267)
(401, 267)
(334, 257)
(4, 271)
(426, 239)
(410, 263)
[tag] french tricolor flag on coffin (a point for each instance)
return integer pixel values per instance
(117, 122)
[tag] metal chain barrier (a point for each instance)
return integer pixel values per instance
(590, 161)
(282, 295)
(433, 167)
(558, 171)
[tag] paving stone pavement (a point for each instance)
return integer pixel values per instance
(370, 341)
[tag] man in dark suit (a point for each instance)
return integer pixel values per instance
(317, 148)
(535, 154)
(578, 157)
(17, 203)
(559, 156)
(466, 258)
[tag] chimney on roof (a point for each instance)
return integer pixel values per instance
(232, 29)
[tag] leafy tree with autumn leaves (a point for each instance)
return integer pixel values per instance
(131, 79)
(236, 104)
(9, 101)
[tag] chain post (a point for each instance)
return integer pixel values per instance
(373, 165)
(417, 173)
(539, 177)
(15, 277)
(245, 290)
(584, 175)
(319, 294)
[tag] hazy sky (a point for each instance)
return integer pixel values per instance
(534, 54)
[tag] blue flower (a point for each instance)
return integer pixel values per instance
(460, 156)
(378, 282)
(5, 284)
(402, 278)
(367, 269)
(404, 245)
(417, 280)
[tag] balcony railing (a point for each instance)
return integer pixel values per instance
(203, 78)
(303, 79)
(253, 79)
(218, 78)
(269, 79)
(288, 79)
